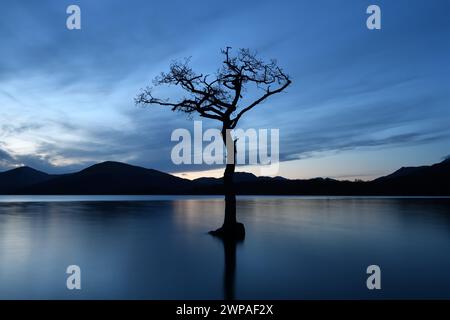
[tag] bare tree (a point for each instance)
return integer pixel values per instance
(220, 97)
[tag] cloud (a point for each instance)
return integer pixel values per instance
(5, 159)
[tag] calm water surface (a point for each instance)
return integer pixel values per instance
(157, 247)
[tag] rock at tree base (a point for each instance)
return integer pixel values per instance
(235, 232)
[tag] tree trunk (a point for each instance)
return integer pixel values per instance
(231, 228)
(228, 183)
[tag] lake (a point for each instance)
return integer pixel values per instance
(157, 247)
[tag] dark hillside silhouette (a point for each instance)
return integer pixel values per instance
(433, 180)
(119, 178)
(20, 178)
(112, 178)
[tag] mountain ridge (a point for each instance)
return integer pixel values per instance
(116, 178)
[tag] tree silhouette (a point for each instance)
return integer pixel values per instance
(220, 97)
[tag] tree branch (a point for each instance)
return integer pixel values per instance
(258, 101)
(219, 97)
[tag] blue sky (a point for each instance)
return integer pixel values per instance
(362, 103)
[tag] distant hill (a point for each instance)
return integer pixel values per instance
(110, 178)
(434, 180)
(119, 178)
(21, 177)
